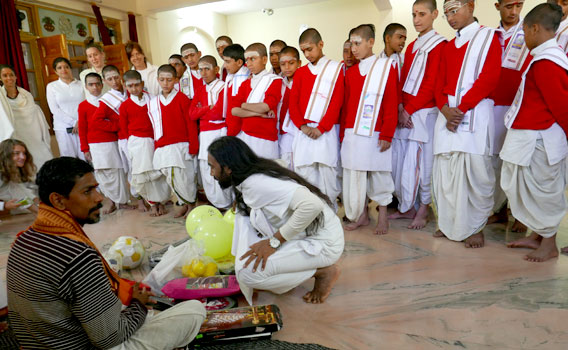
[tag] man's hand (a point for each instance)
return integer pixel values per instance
(384, 145)
(403, 118)
(269, 115)
(315, 134)
(142, 295)
(12, 204)
(258, 252)
(88, 157)
(454, 116)
(75, 128)
(305, 129)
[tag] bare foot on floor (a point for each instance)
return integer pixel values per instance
(362, 221)
(475, 241)
(398, 215)
(382, 222)
(126, 206)
(546, 251)
(181, 211)
(501, 217)
(531, 242)
(564, 250)
(158, 210)
(518, 227)
(142, 206)
(421, 218)
(325, 280)
(110, 209)
(438, 234)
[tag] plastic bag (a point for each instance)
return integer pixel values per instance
(173, 261)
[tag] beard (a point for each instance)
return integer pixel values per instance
(225, 181)
(89, 219)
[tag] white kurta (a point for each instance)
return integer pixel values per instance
(178, 166)
(30, 126)
(272, 206)
(109, 171)
(63, 100)
(215, 194)
(146, 181)
(150, 79)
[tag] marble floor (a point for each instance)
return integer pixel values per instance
(404, 290)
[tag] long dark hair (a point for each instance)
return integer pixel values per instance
(235, 154)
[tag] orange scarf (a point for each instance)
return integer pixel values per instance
(61, 223)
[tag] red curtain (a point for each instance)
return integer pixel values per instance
(101, 24)
(132, 27)
(10, 45)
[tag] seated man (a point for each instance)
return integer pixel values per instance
(286, 231)
(62, 294)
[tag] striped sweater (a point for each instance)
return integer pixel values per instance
(59, 296)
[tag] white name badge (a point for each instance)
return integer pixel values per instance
(516, 52)
(366, 122)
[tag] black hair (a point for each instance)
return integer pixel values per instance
(259, 48)
(93, 75)
(547, 15)
(167, 68)
(278, 42)
(310, 35)
(366, 31)
(59, 175)
(60, 59)
(209, 59)
(188, 46)
(109, 68)
(131, 74)
(232, 152)
(235, 51)
(432, 5)
(391, 29)
(290, 50)
(175, 56)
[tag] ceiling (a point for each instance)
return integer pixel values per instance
(226, 7)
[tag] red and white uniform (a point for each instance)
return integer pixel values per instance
(315, 101)
(176, 142)
(368, 119)
(102, 136)
(261, 134)
(287, 128)
(134, 121)
(463, 179)
(413, 154)
(211, 126)
(535, 149)
(562, 35)
(224, 105)
(189, 82)
(515, 60)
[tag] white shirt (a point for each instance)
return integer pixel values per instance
(63, 100)
(150, 79)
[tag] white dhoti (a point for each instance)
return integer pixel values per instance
(534, 178)
(145, 180)
(68, 144)
(399, 146)
(358, 185)
(215, 194)
(463, 186)
(263, 148)
(123, 151)
(109, 171)
(323, 177)
(500, 199)
(414, 160)
(294, 262)
(173, 328)
(178, 166)
(285, 144)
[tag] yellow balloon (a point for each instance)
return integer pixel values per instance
(198, 215)
(216, 235)
(229, 216)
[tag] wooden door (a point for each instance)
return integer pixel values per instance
(51, 47)
(116, 55)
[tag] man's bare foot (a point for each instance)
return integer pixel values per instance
(181, 211)
(111, 209)
(421, 218)
(157, 210)
(475, 241)
(438, 234)
(501, 217)
(398, 215)
(325, 280)
(546, 251)
(564, 250)
(142, 206)
(126, 206)
(382, 222)
(531, 242)
(519, 227)
(362, 221)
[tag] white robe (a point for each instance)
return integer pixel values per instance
(297, 259)
(150, 79)
(146, 181)
(30, 126)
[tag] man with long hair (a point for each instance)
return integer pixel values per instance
(285, 229)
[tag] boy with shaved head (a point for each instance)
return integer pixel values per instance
(211, 126)
(220, 44)
(371, 100)
(515, 60)
(275, 47)
(191, 78)
(176, 140)
(535, 148)
(463, 179)
(315, 105)
(562, 32)
(417, 117)
(257, 104)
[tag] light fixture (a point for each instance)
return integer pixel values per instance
(268, 12)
